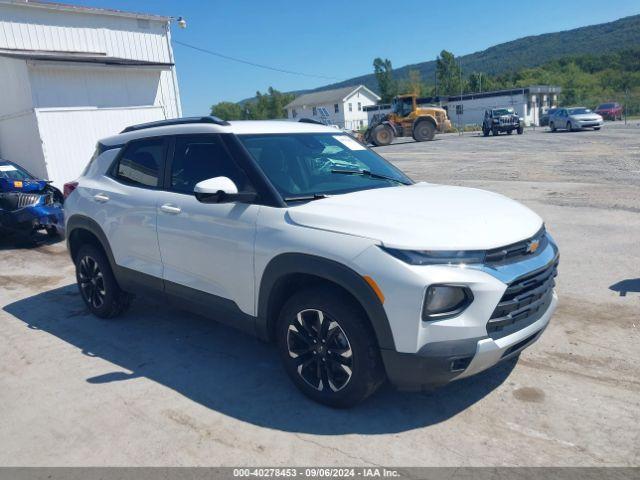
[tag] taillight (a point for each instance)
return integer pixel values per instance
(69, 187)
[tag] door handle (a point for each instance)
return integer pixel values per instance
(101, 197)
(170, 208)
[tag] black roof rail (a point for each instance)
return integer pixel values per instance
(310, 120)
(176, 121)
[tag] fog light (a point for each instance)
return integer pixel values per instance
(445, 301)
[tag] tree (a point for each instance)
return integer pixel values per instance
(384, 75)
(227, 111)
(265, 106)
(448, 73)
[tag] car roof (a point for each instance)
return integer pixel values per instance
(240, 127)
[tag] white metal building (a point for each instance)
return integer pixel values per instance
(343, 106)
(530, 103)
(71, 75)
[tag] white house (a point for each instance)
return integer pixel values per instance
(71, 75)
(342, 106)
(530, 103)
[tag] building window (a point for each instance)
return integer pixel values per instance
(351, 107)
(359, 106)
(315, 111)
(294, 114)
(336, 108)
(459, 109)
(361, 123)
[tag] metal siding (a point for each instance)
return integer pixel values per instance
(41, 29)
(81, 129)
(20, 142)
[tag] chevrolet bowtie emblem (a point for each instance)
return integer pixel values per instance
(533, 246)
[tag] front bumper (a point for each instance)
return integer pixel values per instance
(32, 218)
(432, 353)
(439, 363)
(589, 123)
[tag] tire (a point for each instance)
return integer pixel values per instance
(424, 131)
(485, 131)
(569, 127)
(495, 132)
(596, 128)
(52, 232)
(552, 126)
(308, 319)
(509, 132)
(382, 135)
(520, 130)
(97, 284)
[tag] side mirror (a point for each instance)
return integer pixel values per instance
(220, 190)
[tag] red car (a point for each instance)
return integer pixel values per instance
(610, 111)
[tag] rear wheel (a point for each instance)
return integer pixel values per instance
(328, 347)
(596, 128)
(382, 135)
(97, 284)
(424, 131)
(552, 126)
(509, 132)
(569, 127)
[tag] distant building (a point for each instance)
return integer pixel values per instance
(530, 103)
(344, 107)
(71, 75)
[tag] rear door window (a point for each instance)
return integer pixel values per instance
(141, 163)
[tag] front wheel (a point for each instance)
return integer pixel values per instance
(520, 130)
(485, 131)
(97, 284)
(495, 131)
(569, 127)
(382, 135)
(596, 128)
(424, 131)
(552, 126)
(328, 348)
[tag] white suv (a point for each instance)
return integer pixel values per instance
(301, 235)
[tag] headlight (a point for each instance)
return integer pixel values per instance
(445, 301)
(495, 120)
(438, 257)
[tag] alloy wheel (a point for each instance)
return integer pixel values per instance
(321, 351)
(91, 282)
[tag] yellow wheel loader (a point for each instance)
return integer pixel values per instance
(407, 118)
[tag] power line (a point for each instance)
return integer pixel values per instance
(246, 62)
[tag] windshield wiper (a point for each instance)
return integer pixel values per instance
(368, 173)
(305, 198)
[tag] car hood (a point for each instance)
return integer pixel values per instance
(423, 217)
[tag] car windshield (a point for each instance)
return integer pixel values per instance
(11, 171)
(307, 164)
(606, 105)
(502, 111)
(551, 111)
(579, 111)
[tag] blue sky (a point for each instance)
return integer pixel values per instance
(341, 38)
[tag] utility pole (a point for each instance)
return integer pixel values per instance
(626, 103)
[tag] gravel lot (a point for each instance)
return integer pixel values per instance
(161, 387)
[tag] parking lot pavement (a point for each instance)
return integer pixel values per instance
(161, 387)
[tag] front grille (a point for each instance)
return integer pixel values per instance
(27, 199)
(524, 301)
(519, 250)
(13, 201)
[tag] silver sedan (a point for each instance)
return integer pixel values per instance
(575, 118)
